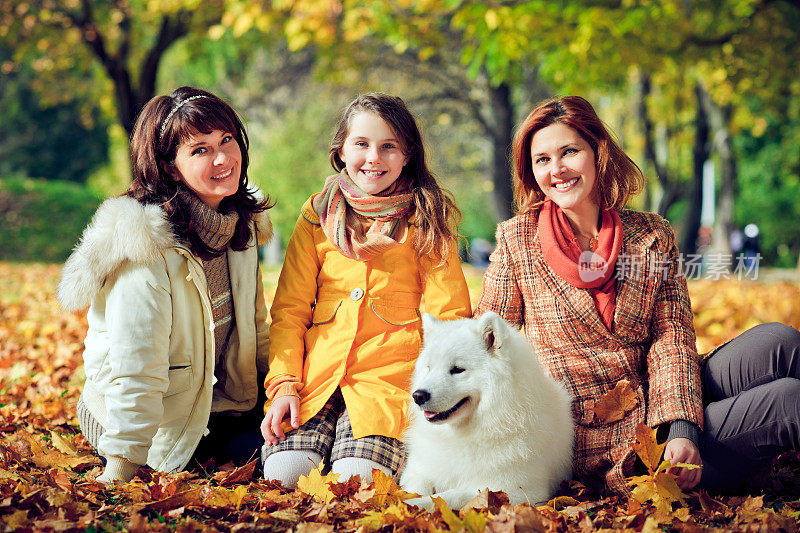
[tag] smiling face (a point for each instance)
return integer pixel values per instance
(210, 165)
(564, 168)
(373, 154)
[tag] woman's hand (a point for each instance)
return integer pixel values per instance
(271, 425)
(682, 450)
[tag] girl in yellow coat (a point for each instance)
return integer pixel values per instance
(346, 327)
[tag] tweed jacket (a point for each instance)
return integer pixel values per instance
(651, 343)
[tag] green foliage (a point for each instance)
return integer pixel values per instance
(769, 189)
(42, 220)
(290, 162)
(60, 141)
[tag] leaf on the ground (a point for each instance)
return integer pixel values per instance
(182, 499)
(48, 458)
(16, 520)
(60, 479)
(222, 497)
(243, 474)
(519, 518)
(312, 527)
(647, 448)
(61, 444)
(317, 485)
(345, 489)
(562, 502)
(387, 491)
(616, 403)
(486, 499)
(287, 515)
(712, 506)
(450, 518)
(392, 515)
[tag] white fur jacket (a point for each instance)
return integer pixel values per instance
(149, 356)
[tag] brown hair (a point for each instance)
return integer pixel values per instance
(163, 124)
(618, 177)
(437, 214)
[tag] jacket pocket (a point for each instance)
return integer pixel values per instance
(325, 311)
(180, 379)
(395, 316)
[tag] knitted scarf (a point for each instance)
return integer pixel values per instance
(359, 224)
(215, 230)
(585, 270)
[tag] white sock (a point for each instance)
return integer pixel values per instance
(348, 467)
(288, 465)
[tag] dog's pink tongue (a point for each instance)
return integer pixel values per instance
(429, 414)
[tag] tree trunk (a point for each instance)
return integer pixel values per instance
(668, 194)
(131, 98)
(720, 117)
(503, 114)
(688, 242)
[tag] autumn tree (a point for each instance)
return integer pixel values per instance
(126, 39)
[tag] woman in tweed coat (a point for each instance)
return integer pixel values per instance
(600, 295)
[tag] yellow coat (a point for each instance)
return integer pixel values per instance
(338, 322)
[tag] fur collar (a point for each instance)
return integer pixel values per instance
(122, 231)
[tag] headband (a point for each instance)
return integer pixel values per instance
(174, 109)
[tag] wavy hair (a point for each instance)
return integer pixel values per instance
(436, 211)
(166, 122)
(618, 177)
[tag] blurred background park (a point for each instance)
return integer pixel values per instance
(704, 95)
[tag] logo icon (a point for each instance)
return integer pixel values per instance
(591, 266)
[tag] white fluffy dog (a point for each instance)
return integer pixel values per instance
(485, 414)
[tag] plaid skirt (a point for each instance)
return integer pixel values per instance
(329, 434)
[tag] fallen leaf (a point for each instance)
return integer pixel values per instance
(387, 491)
(183, 499)
(316, 485)
(390, 516)
(243, 474)
(61, 444)
(486, 499)
(616, 403)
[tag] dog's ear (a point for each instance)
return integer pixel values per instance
(493, 330)
(428, 321)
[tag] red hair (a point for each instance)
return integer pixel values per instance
(618, 177)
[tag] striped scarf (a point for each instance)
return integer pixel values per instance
(359, 224)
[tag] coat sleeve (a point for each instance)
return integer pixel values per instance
(500, 292)
(292, 307)
(262, 327)
(139, 319)
(445, 290)
(673, 362)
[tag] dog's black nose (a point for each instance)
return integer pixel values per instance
(421, 396)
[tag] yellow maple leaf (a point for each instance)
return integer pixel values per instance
(61, 444)
(647, 448)
(317, 485)
(387, 491)
(450, 518)
(474, 521)
(376, 519)
(222, 497)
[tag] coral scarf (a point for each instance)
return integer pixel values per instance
(585, 270)
(359, 224)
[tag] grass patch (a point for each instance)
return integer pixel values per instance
(42, 220)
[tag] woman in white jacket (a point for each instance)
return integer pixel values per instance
(177, 321)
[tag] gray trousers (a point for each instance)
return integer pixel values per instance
(751, 394)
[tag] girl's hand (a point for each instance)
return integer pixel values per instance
(681, 450)
(271, 425)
